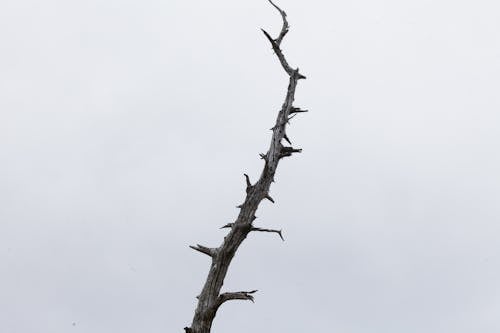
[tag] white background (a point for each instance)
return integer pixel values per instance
(125, 128)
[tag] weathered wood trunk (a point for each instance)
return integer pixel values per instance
(211, 298)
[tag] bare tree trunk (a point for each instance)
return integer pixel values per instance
(210, 298)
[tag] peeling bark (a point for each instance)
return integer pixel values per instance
(211, 298)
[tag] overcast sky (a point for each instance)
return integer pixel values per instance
(126, 127)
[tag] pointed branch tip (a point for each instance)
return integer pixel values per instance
(239, 295)
(290, 150)
(269, 230)
(285, 27)
(297, 110)
(249, 185)
(287, 139)
(205, 250)
(268, 197)
(271, 40)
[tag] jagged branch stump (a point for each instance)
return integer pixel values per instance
(211, 298)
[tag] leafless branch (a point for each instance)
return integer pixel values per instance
(297, 110)
(210, 297)
(269, 230)
(239, 295)
(203, 249)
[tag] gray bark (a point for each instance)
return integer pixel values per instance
(211, 298)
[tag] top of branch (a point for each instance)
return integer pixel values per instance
(284, 28)
(276, 43)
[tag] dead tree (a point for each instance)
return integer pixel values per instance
(211, 298)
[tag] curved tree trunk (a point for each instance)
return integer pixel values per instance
(211, 298)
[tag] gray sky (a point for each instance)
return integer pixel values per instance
(125, 128)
